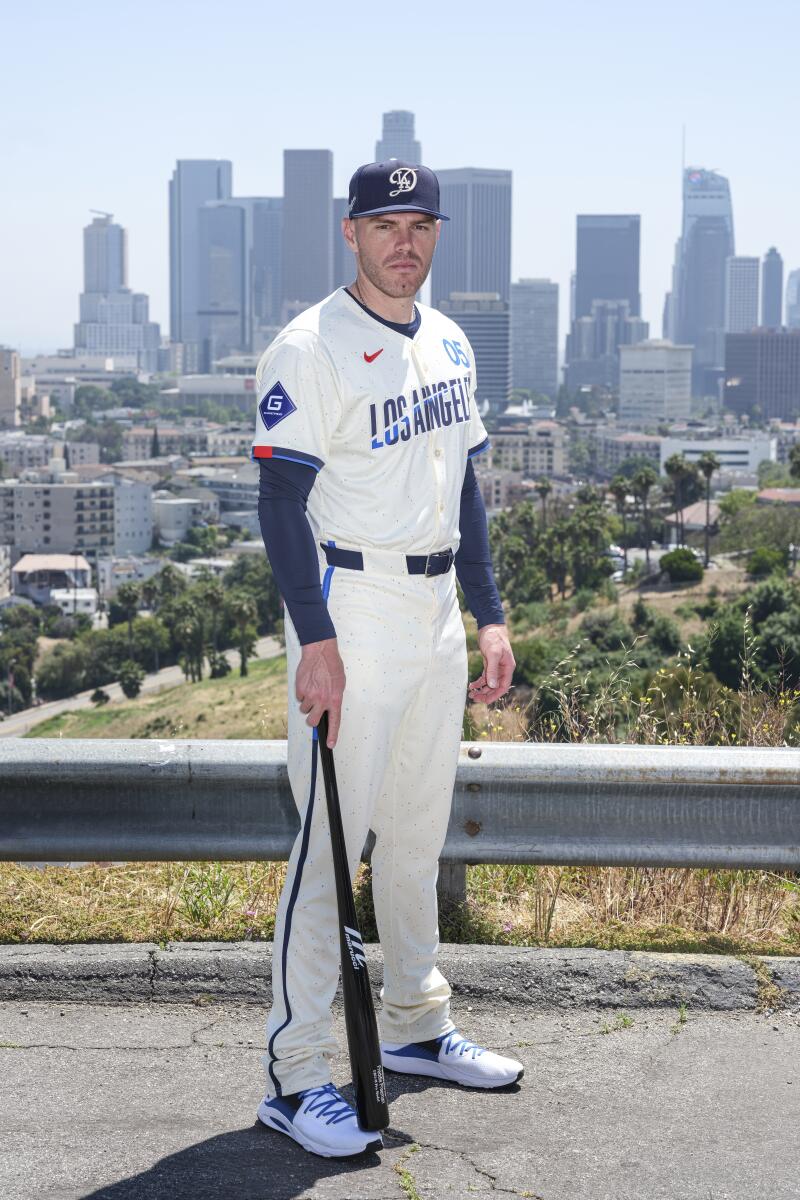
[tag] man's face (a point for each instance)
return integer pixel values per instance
(394, 250)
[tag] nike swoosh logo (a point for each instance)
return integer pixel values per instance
(372, 357)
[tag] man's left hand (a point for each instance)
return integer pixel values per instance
(498, 665)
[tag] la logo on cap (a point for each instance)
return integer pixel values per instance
(404, 180)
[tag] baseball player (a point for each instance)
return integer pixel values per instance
(369, 510)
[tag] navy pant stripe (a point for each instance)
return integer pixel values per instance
(326, 587)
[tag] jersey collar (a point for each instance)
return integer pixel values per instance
(410, 330)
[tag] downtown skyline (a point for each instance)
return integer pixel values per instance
(562, 134)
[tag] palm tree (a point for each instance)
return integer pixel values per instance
(213, 595)
(794, 461)
(543, 487)
(676, 469)
(642, 483)
(151, 594)
(128, 601)
(708, 464)
(187, 622)
(619, 490)
(170, 582)
(242, 607)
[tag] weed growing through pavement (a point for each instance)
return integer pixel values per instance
(682, 1019)
(621, 1021)
(407, 1182)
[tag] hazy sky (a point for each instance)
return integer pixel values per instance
(584, 100)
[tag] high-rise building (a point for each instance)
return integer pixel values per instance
(762, 373)
(698, 297)
(594, 343)
(222, 309)
(307, 227)
(534, 336)
(474, 251)
(793, 300)
(741, 294)
(344, 267)
(655, 384)
(772, 290)
(113, 319)
(10, 388)
(607, 261)
(397, 140)
(607, 301)
(484, 318)
(105, 256)
(194, 182)
(266, 270)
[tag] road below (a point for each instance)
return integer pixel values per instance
(20, 723)
(141, 1102)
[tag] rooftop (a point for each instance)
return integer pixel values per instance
(51, 562)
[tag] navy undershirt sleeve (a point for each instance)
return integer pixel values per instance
(473, 560)
(283, 491)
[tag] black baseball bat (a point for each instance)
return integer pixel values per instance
(359, 1011)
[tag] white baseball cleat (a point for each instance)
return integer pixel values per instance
(452, 1057)
(321, 1121)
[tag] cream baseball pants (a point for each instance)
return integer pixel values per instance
(402, 642)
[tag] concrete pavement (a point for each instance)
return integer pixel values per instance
(20, 723)
(157, 1102)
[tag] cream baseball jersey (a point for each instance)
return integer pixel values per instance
(387, 420)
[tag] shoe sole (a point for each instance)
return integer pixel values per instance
(314, 1148)
(448, 1074)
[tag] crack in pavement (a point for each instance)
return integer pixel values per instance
(464, 1156)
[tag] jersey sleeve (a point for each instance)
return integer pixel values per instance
(299, 402)
(478, 437)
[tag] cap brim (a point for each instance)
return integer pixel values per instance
(393, 208)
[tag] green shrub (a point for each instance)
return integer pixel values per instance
(641, 615)
(764, 561)
(131, 676)
(664, 634)
(582, 599)
(681, 566)
(606, 630)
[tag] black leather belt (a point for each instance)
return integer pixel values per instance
(416, 564)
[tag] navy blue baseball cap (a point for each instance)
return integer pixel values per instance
(394, 186)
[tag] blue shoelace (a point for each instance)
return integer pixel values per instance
(454, 1043)
(326, 1102)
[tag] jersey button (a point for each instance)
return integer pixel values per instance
(437, 453)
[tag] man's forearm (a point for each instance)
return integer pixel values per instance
(291, 548)
(474, 560)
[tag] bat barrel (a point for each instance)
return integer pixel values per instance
(359, 1010)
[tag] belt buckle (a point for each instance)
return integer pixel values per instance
(437, 554)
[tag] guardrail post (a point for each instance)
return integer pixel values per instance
(451, 885)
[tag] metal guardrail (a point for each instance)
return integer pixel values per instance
(607, 805)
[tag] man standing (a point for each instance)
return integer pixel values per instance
(366, 425)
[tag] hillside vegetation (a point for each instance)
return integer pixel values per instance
(230, 707)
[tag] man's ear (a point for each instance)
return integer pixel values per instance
(349, 233)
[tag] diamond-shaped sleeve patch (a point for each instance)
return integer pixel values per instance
(276, 405)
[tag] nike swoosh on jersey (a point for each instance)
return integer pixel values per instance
(372, 357)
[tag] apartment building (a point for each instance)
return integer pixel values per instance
(57, 518)
(536, 449)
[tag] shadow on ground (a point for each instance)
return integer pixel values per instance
(250, 1164)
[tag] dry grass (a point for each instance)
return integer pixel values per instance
(233, 707)
(737, 912)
